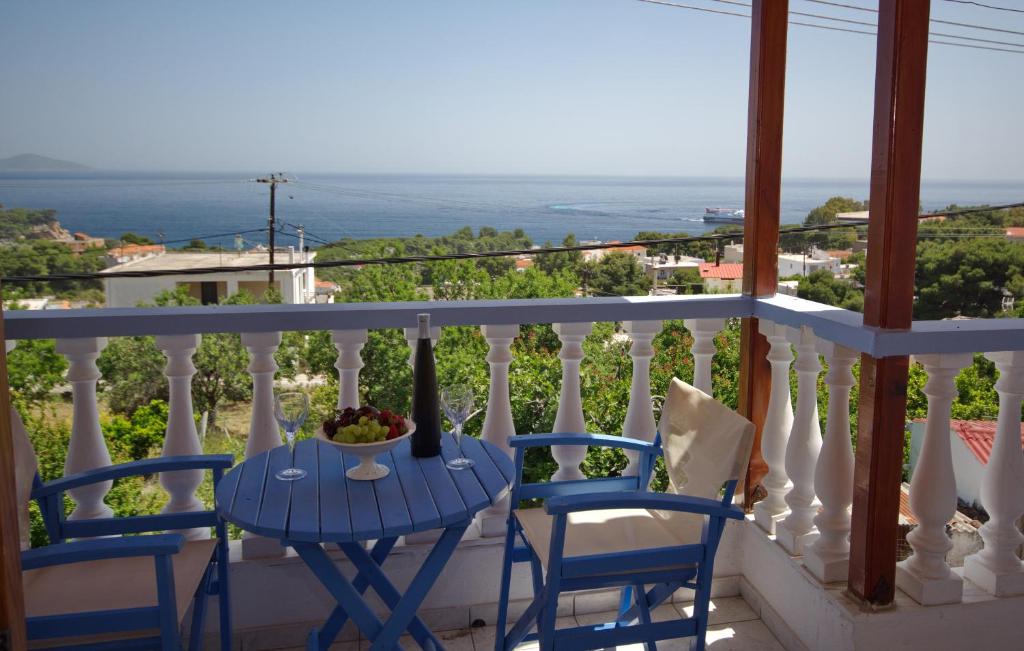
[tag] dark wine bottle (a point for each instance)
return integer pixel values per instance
(426, 411)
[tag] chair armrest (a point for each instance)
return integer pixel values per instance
(603, 440)
(93, 550)
(661, 501)
(142, 467)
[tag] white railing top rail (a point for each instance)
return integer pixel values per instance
(115, 322)
(831, 323)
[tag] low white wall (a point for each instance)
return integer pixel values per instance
(804, 614)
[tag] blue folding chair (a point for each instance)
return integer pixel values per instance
(124, 591)
(614, 532)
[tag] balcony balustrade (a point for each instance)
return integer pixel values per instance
(806, 514)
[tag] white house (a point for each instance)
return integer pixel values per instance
(660, 268)
(793, 264)
(296, 286)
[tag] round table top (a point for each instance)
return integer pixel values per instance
(326, 506)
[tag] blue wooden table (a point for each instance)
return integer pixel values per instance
(327, 507)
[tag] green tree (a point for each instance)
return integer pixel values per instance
(34, 369)
(566, 261)
(134, 238)
(686, 281)
(618, 274)
(825, 214)
(966, 277)
(822, 287)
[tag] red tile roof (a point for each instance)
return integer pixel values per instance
(977, 435)
(1015, 232)
(524, 263)
(726, 271)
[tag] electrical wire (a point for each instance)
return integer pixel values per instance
(358, 262)
(934, 20)
(860, 22)
(985, 6)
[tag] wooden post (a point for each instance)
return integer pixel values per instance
(889, 293)
(12, 604)
(761, 228)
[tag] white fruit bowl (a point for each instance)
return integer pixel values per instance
(368, 468)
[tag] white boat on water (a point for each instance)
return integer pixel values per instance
(723, 216)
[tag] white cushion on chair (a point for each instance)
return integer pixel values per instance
(705, 443)
(111, 584)
(604, 531)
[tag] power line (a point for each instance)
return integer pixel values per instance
(985, 6)
(934, 20)
(717, 237)
(855, 22)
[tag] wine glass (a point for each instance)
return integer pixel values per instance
(290, 410)
(457, 402)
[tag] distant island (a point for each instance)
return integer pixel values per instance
(37, 163)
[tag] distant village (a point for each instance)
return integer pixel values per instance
(301, 286)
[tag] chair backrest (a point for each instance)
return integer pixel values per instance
(705, 443)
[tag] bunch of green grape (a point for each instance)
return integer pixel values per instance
(366, 430)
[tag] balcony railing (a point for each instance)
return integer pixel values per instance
(811, 473)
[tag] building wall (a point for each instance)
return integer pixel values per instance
(722, 286)
(966, 468)
(130, 292)
(793, 265)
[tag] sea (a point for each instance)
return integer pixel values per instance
(229, 209)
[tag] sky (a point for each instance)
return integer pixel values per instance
(572, 87)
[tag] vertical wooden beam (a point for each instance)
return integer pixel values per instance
(889, 292)
(12, 605)
(763, 196)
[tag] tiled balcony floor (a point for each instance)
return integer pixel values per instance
(733, 627)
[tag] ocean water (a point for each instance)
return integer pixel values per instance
(179, 206)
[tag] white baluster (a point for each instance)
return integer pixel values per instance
(25, 466)
(777, 425)
(925, 576)
(498, 424)
(797, 531)
(413, 334)
(264, 433)
(181, 437)
(349, 344)
(639, 423)
(569, 418)
(829, 556)
(996, 568)
(87, 449)
(703, 332)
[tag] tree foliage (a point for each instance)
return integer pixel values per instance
(617, 274)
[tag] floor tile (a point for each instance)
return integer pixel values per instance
(723, 610)
(483, 637)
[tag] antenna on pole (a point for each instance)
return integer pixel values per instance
(272, 181)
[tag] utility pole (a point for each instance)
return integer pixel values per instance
(272, 181)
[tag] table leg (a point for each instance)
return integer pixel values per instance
(347, 597)
(370, 570)
(329, 631)
(405, 610)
